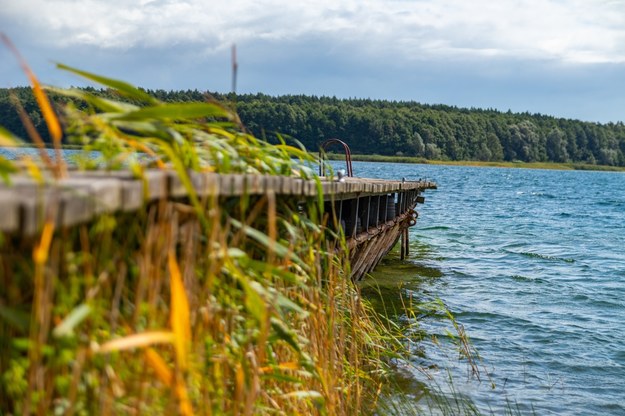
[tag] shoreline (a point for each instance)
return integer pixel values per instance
(475, 163)
(423, 161)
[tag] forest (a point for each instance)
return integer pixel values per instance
(395, 128)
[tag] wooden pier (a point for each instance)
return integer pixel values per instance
(374, 214)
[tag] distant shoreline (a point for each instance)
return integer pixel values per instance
(423, 161)
(475, 163)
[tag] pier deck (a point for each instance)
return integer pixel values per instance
(374, 213)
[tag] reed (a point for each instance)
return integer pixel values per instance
(206, 305)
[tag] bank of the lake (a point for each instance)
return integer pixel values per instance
(75, 150)
(477, 163)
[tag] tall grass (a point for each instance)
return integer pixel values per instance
(204, 305)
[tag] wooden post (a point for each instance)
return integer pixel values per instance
(341, 215)
(377, 211)
(403, 202)
(354, 213)
(366, 213)
(407, 243)
(385, 217)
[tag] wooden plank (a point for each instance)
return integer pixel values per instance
(297, 186)
(155, 184)
(37, 205)
(176, 187)
(77, 206)
(310, 188)
(132, 187)
(30, 212)
(212, 184)
(285, 185)
(67, 202)
(238, 184)
(199, 181)
(154, 180)
(132, 195)
(225, 185)
(276, 184)
(328, 188)
(106, 193)
(271, 183)
(254, 184)
(9, 211)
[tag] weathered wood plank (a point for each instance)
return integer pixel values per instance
(239, 185)
(153, 183)
(132, 195)
(297, 186)
(9, 211)
(211, 185)
(84, 195)
(105, 194)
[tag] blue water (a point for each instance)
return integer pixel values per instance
(73, 157)
(14, 153)
(532, 264)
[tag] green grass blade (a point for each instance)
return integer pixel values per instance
(7, 138)
(122, 87)
(178, 111)
(265, 241)
(6, 168)
(76, 316)
(102, 104)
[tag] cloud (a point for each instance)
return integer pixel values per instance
(561, 57)
(572, 31)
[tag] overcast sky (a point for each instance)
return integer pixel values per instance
(557, 57)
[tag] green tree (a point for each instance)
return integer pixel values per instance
(556, 146)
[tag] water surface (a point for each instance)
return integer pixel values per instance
(532, 264)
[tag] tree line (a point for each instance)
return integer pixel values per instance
(394, 128)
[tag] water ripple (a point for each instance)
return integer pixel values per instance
(534, 271)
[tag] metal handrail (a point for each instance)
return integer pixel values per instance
(348, 156)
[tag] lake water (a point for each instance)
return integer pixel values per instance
(532, 264)
(69, 155)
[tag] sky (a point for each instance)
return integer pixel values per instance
(564, 58)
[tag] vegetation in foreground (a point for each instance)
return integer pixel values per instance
(205, 306)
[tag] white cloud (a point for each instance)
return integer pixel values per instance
(577, 31)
